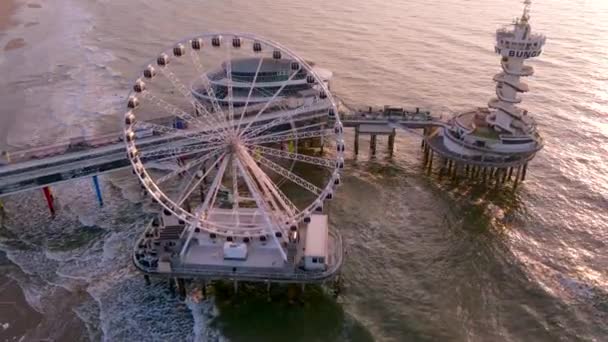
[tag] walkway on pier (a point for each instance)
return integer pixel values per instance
(69, 162)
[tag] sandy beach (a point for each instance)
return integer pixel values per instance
(7, 9)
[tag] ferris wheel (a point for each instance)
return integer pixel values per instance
(218, 129)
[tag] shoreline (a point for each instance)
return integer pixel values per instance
(8, 8)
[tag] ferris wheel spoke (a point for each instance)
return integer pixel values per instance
(273, 189)
(209, 206)
(179, 151)
(291, 176)
(290, 137)
(279, 203)
(196, 180)
(230, 86)
(173, 110)
(293, 115)
(187, 167)
(235, 191)
(187, 94)
(263, 207)
(144, 125)
(317, 128)
(172, 134)
(206, 82)
(253, 83)
(285, 83)
(268, 151)
(204, 208)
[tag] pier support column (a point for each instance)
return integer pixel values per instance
(147, 279)
(517, 173)
(2, 213)
(372, 144)
(204, 289)
(431, 162)
(391, 142)
(497, 177)
(425, 155)
(181, 287)
(268, 298)
(171, 287)
(97, 190)
(49, 199)
(236, 287)
(356, 140)
(444, 163)
(510, 174)
(523, 172)
(424, 135)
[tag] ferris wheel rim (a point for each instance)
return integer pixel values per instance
(176, 209)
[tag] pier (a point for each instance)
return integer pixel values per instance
(216, 170)
(23, 170)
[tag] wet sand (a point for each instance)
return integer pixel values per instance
(7, 10)
(14, 44)
(16, 316)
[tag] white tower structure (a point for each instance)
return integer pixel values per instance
(515, 43)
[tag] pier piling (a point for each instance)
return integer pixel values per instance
(181, 287)
(268, 298)
(171, 287)
(391, 142)
(372, 144)
(356, 140)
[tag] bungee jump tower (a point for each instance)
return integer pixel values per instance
(494, 143)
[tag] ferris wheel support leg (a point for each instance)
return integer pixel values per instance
(49, 199)
(97, 190)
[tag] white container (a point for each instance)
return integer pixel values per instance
(317, 236)
(235, 251)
